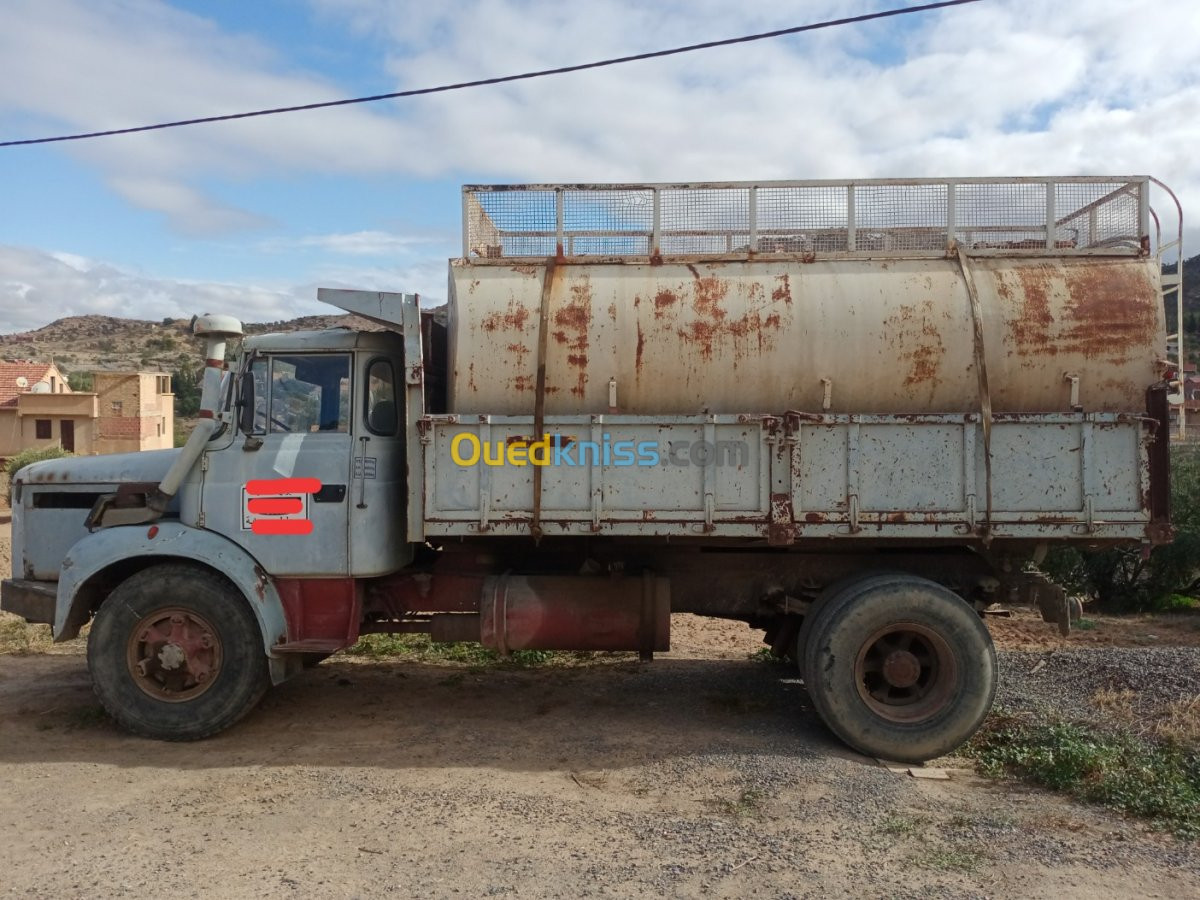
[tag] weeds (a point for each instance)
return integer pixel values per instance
(1176, 722)
(420, 648)
(1155, 781)
(946, 859)
(901, 825)
(19, 637)
(747, 803)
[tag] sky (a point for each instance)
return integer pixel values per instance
(250, 217)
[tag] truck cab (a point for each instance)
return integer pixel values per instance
(318, 450)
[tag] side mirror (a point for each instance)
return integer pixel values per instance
(246, 410)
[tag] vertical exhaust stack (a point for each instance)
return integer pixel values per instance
(217, 330)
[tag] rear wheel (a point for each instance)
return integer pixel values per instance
(899, 667)
(176, 654)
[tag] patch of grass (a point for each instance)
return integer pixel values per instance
(947, 859)
(19, 637)
(901, 825)
(1180, 603)
(747, 803)
(1152, 780)
(1176, 722)
(1085, 624)
(419, 647)
(766, 655)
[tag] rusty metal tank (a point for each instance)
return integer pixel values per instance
(870, 335)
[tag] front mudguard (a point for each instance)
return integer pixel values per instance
(87, 561)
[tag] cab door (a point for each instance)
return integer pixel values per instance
(281, 487)
(377, 522)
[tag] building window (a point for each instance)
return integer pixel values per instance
(53, 385)
(117, 407)
(42, 429)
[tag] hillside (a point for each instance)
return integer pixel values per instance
(99, 343)
(1191, 306)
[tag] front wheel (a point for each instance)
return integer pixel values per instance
(176, 654)
(899, 667)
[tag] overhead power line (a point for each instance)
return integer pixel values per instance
(503, 79)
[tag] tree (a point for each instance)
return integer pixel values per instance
(80, 381)
(1122, 579)
(185, 385)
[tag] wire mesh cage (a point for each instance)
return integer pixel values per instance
(895, 217)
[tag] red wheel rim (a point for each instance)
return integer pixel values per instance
(173, 654)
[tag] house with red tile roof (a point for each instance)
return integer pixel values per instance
(126, 411)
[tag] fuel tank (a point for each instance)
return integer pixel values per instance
(884, 336)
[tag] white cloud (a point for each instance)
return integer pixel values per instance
(358, 243)
(37, 286)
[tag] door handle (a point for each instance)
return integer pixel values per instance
(362, 472)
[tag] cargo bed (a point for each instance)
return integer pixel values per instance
(794, 476)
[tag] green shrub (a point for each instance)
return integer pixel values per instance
(80, 381)
(1120, 579)
(1159, 782)
(24, 458)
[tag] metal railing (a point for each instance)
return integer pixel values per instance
(1107, 215)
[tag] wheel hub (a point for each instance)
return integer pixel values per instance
(173, 654)
(906, 672)
(901, 669)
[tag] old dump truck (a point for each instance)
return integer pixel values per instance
(854, 414)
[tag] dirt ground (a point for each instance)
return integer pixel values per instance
(702, 773)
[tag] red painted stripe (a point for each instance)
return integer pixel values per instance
(275, 506)
(283, 486)
(282, 526)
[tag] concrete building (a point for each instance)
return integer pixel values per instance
(136, 411)
(125, 411)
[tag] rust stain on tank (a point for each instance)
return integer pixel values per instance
(641, 348)
(1101, 309)
(663, 301)
(573, 320)
(513, 318)
(918, 342)
(713, 329)
(782, 292)
(1111, 308)
(520, 351)
(1032, 330)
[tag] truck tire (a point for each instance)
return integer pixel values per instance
(176, 654)
(899, 667)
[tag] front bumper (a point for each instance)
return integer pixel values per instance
(33, 601)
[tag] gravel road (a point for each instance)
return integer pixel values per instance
(1063, 681)
(683, 777)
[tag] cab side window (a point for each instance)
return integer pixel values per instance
(302, 393)
(381, 411)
